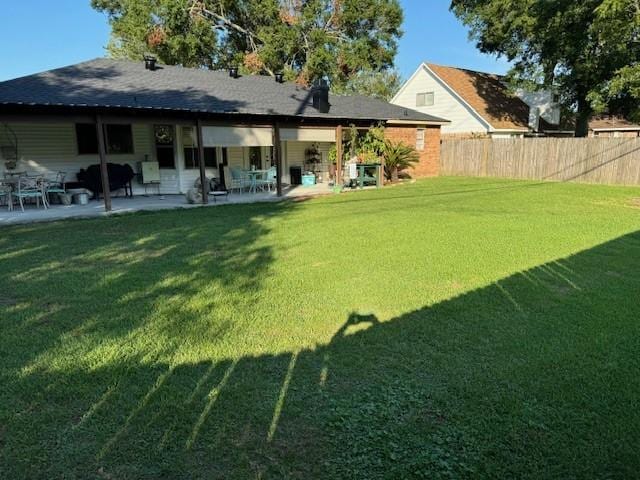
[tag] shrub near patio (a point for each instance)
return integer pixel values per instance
(449, 328)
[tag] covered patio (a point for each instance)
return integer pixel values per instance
(138, 203)
(109, 125)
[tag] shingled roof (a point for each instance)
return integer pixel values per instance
(126, 84)
(612, 123)
(487, 95)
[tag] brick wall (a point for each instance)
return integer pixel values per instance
(429, 164)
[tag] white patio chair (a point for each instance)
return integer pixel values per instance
(239, 180)
(54, 185)
(30, 187)
(5, 193)
(268, 181)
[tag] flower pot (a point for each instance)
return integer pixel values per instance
(65, 198)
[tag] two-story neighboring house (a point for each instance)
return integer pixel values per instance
(477, 104)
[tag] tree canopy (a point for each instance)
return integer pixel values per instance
(586, 50)
(352, 43)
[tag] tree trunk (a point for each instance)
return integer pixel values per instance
(582, 117)
(394, 174)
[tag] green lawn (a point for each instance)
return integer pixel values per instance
(450, 328)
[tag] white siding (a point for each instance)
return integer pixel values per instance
(446, 105)
(51, 147)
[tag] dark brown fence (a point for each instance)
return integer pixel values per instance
(614, 161)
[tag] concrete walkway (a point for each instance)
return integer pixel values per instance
(138, 203)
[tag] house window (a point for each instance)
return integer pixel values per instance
(118, 139)
(191, 154)
(191, 157)
(164, 138)
(420, 139)
(86, 138)
(425, 99)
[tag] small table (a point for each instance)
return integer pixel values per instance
(253, 177)
(363, 177)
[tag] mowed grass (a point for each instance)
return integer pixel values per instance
(450, 328)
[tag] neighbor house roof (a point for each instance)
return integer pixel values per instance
(611, 124)
(487, 95)
(127, 84)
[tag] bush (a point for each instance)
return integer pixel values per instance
(397, 157)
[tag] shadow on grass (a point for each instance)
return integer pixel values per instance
(534, 376)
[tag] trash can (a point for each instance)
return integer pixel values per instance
(295, 175)
(81, 198)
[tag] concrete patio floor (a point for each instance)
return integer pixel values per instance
(138, 203)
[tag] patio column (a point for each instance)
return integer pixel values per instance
(339, 155)
(104, 172)
(277, 153)
(203, 174)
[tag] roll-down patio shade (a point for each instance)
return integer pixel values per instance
(237, 136)
(308, 134)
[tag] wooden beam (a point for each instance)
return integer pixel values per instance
(203, 174)
(104, 172)
(339, 155)
(277, 153)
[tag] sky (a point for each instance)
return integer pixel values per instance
(36, 36)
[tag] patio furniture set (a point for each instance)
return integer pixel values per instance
(24, 187)
(253, 180)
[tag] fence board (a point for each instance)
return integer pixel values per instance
(614, 161)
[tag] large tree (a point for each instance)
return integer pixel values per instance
(352, 43)
(588, 50)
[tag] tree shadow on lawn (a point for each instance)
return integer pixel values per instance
(80, 279)
(534, 376)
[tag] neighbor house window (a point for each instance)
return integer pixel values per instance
(191, 153)
(425, 99)
(118, 139)
(420, 139)
(164, 136)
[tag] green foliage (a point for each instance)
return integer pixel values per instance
(367, 145)
(398, 157)
(378, 84)
(352, 43)
(588, 50)
(161, 27)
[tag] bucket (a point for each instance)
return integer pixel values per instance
(81, 198)
(65, 198)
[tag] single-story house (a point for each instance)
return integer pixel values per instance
(612, 126)
(477, 104)
(125, 112)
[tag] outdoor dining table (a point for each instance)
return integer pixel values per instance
(253, 179)
(13, 181)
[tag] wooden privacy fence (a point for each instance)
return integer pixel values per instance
(588, 160)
